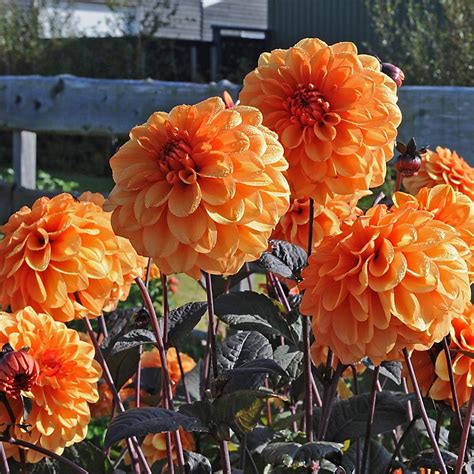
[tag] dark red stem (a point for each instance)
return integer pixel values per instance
(370, 417)
(452, 384)
(465, 434)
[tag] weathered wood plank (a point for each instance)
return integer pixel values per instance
(24, 158)
(80, 106)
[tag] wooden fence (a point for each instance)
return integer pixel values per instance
(78, 106)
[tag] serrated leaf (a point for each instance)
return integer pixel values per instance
(316, 451)
(150, 380)
(183, 320)
(142, 421)
(349, 417)
(197, 463)
(118, 323)
(391, 369)
(239, 410)
(259, 438)
(193, 383)
(377, 463)
(258, 366)
(289, 358)
(238, 350)
(284, 259)
(250, 311)
(131, 339)
(123, 365)
(280, 453)
(427, 459)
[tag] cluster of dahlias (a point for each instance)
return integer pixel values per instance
(203, 188)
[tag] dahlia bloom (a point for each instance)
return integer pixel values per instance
(334, 111)
(62, 257)
(431, 366)
(293, 226)
(154, 446)
(66, 382)
(449, 206)
(200, 188)
(442, 167)
(392, 280)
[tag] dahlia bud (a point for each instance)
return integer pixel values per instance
(18, 371)
(142, 318)
(228, 101)
(409, 162)
(394, 72)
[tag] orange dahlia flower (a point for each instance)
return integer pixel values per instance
(66, 383)
(293, 226)
(393, 279)
(442, 167)
(154, 446)
(449, 206)
(200, 188)
(334, 111)
(432, 369)
(62, 257)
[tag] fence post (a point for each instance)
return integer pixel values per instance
(24, 158)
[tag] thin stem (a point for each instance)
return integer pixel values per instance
(166, 307)
(310, 226)
(452, 384)
(308, 398)
(354, 378)
(424, 415)
(225, 459)
(252, 461)
(168, 393)
(370, 417)
(183, 377)
(103, 327)
(328, 401)
(249, 280)
(23, 465)
(4, 467)
(400, 443)
(379, 197)
(73, 467)
(465, 434)
(133, 446)
(138, 378)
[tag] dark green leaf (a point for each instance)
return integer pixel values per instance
(280, 454)
(197, 463)
(238, 350)
(202, 410)
(290, 358)
(240, 410)
(118, 323)
(150, 380)
(378, 461)
(123, 365)
(250, 311)
(284, 259)
(349, 417)
(132, 339)
(193, 383)
(142, 421)
(259, 438)
(391, 369)
(427, 459)
(316, 451)
(258, 366)
(183, 320)
(443, 432)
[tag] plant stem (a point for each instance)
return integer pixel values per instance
(370, 417)
(167, 390)
(310, 226)
(400, 443)
(308, 397)
(465, 434)
(4, 467)
(166, 307)
(73, 467)
(328, 401)
(183, 377)
(424, 415)
(132, 443)
(225, 459)
(452, 384)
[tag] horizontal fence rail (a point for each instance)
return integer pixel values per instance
(80, 106)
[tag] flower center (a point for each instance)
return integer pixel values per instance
(176, 163)
(50, 363)
(307, 105)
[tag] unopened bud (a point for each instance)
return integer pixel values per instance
(394, 72)
(18, 371)
(142, 318)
